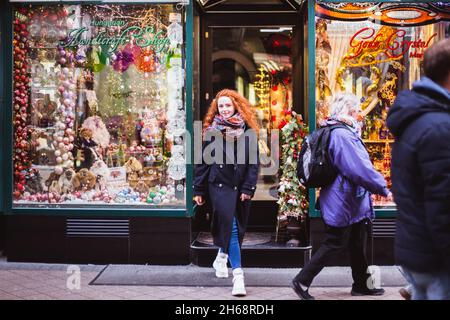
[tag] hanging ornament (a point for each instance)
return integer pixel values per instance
(80, 56)
(175, 30)
(132, 49)
(146, 60)
(95, 60)
(177, 164)
(22, 163)
(123, 60)
(65, 116)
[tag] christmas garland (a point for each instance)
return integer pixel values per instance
(22, 162)
(292, 195)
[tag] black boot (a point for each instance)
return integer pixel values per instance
(303, 294)
(366, 291)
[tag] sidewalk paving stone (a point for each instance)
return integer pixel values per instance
(50, 282)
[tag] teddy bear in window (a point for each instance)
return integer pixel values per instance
(133, 169)
(84, 180)
(101, 171)
(33, 184)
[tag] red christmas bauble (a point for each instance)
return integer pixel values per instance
(53, 17)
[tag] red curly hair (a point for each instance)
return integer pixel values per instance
(241, 104)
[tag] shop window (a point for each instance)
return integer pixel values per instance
(373, 58)
(98, 106)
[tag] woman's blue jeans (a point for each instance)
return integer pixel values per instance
(234, 251)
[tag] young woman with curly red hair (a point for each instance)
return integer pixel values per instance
(229, 185)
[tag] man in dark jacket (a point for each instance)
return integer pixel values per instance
(420, 122)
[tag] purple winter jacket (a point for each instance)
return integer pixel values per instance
(347, 200)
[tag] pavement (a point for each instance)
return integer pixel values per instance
(38, 281)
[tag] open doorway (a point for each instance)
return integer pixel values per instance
(260, 56)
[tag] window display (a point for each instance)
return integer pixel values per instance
(98, 105)
(373, 51)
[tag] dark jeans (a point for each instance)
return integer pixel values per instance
(429, 286)
(352, 238)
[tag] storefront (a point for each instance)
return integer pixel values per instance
(372, 50)
(97, 98)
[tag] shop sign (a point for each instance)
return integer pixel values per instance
(393, 45)
(143, 37)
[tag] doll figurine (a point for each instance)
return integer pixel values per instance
(87, 146)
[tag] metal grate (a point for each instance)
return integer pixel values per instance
(383, 228)
(97, 228)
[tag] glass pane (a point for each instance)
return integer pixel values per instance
(256, 61)
(99, 106)
(374, 62)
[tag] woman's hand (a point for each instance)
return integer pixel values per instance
(199, 200)
(245, 196)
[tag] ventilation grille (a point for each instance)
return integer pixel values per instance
(97, 228)
(383, 228)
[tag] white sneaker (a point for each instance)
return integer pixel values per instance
(238, 283)
(220, 265)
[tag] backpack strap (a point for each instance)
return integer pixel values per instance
(331, 127)
(339, 125)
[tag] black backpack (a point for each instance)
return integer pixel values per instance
(314, 167)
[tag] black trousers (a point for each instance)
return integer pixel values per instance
(352, 238)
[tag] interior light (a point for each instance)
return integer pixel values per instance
(280, 29)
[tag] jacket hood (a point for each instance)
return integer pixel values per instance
(426, 96)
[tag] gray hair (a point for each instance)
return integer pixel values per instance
(343, 104)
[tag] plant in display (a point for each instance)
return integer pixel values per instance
(293, 201)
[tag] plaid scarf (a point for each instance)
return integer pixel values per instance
(232, 127)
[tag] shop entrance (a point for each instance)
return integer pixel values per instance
(260, 56)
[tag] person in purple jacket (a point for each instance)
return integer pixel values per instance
(346, 204)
